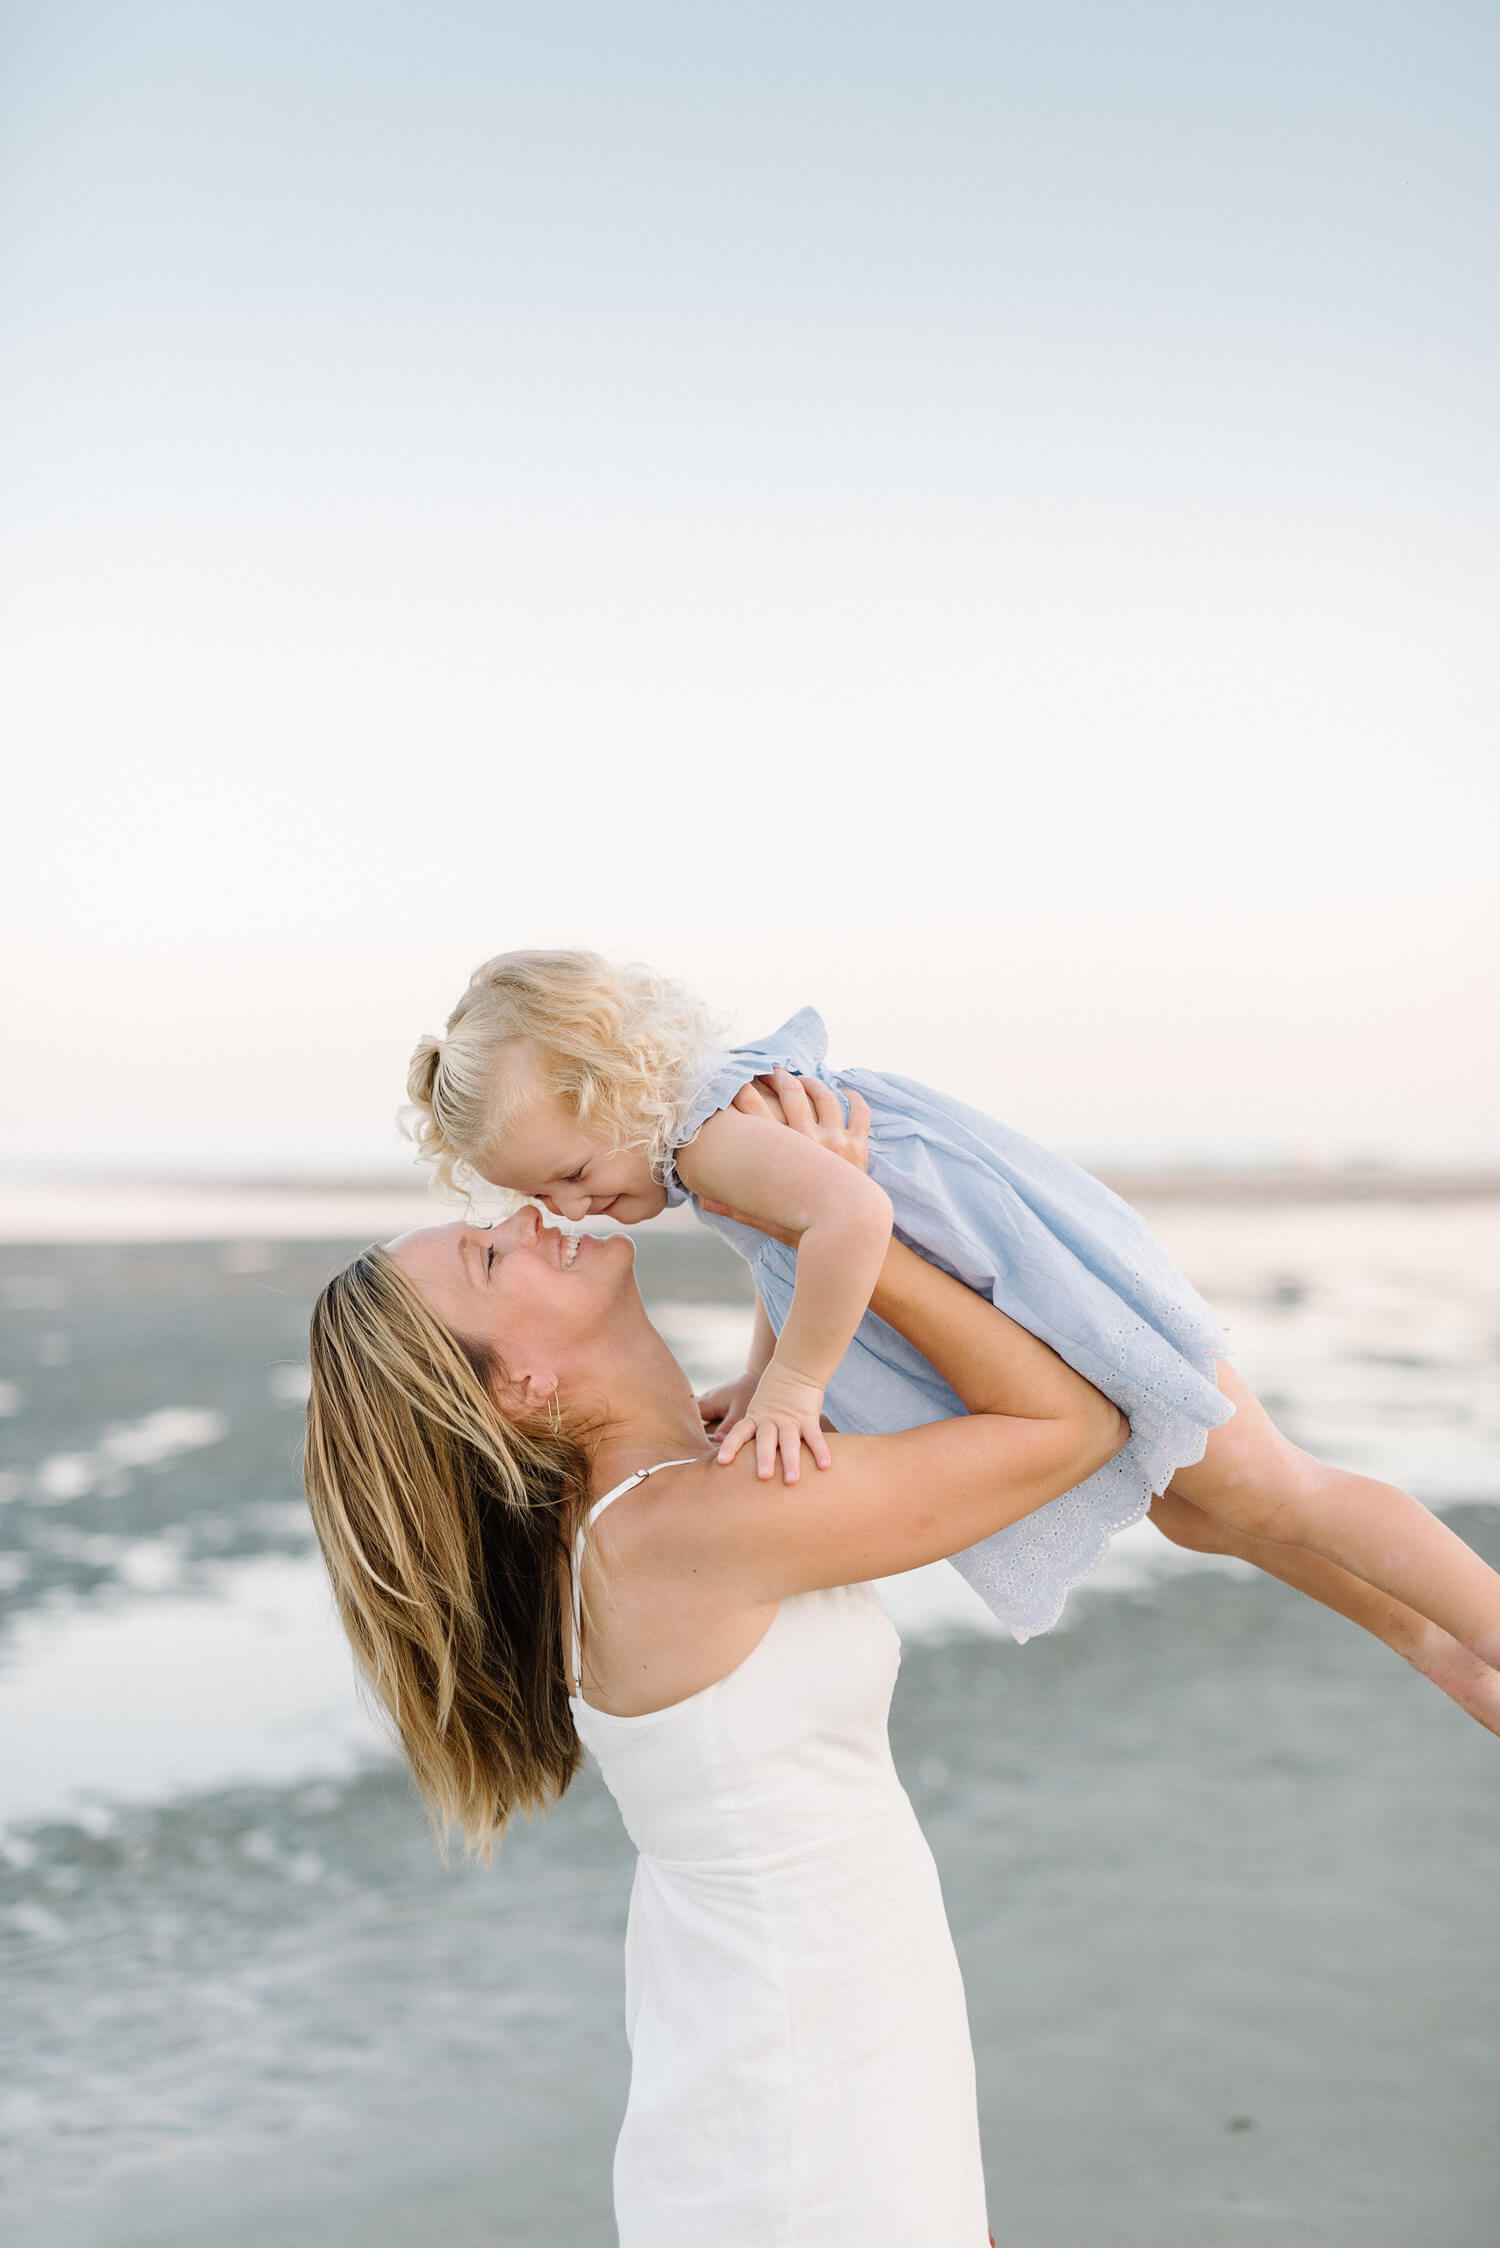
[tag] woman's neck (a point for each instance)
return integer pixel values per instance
(651, 1415)
(624, 1452)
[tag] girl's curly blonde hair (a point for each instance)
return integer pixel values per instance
(621, 1046)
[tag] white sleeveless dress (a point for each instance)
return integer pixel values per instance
(801, 2072)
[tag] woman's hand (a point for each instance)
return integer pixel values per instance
(812, 1108)
(722, 1406)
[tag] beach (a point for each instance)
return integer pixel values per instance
(1221, 1873)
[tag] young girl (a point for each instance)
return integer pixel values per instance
(597, 1092)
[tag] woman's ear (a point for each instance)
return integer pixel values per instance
(531, 1392)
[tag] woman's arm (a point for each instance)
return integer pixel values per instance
(786, 1184)
(891, 1503)
(992, 1364)
(904, 1294)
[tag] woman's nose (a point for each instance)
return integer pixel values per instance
(521, 1229)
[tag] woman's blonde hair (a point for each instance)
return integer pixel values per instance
(619, 1045)
(446, 1531)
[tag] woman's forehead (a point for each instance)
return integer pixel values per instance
(429, 1248)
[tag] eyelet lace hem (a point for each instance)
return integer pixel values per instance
(1025, 1573)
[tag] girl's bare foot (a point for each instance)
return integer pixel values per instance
(1459, 1673)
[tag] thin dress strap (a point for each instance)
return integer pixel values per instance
(588, 1522)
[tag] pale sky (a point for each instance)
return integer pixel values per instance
(978, 518)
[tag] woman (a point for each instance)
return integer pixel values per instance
(534, 1551)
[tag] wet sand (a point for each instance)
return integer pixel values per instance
(1223, 1875)
(1222, 1878)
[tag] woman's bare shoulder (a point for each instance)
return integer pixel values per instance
(669, 1517)
(668, 1611)
(701, 1527)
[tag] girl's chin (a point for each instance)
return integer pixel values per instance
(625, 1210)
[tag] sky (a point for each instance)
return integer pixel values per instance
(980, 519)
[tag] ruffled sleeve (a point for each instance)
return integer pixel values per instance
(801, 1045)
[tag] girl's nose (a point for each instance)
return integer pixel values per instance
(572, 1206)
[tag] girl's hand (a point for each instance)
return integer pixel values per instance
(811, 1108)
(722, 1407)
(784, 1413)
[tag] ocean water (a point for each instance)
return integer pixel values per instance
(1221, 1872)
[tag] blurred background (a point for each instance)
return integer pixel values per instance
(978, 519)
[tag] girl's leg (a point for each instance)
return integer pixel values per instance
(1460, 1674)
(1264, 1487)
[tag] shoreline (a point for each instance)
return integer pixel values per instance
(56, 1211)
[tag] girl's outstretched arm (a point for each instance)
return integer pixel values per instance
(785, 1183)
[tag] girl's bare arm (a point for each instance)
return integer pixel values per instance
(788, 1185)
(724, 1404)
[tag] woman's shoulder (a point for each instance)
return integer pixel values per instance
(676, 1528)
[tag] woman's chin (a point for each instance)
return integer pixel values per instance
(605, 1251)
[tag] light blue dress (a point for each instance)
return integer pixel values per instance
(1051, 1246)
